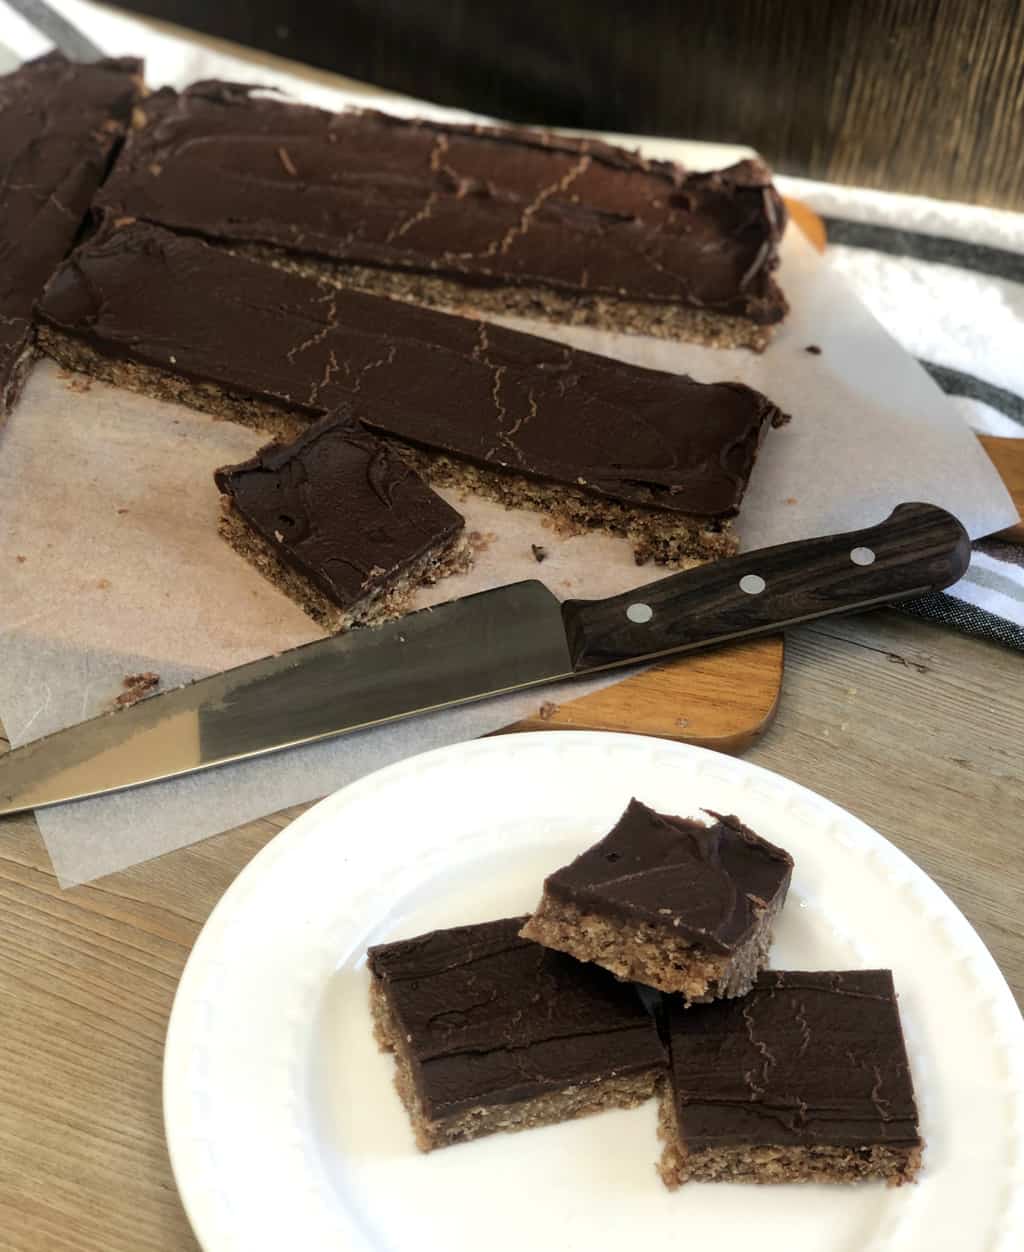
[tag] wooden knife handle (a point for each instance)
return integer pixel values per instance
(919, 548)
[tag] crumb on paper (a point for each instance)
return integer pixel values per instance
(481, 541)
(103, 584)
(79, 382)
(122, 512)
(844, 725)
(539, 553)
(791, 500)
(851, 691)
(547, 711)
(136, 688)
(64, 374)
(21, 559)
(285, 158)
(813, 349)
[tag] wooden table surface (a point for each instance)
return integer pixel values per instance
(915, 729)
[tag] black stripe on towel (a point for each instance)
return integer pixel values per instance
(957, 383)
(997, 262)
(968, 618)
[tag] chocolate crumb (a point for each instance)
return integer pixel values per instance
(547, 711)
(21, 559)
(136, 687)
(103, 584)
(539, 553)
(813, 349)
(123, 511)
(790, 500)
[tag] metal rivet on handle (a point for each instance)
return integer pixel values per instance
(752, 584)
(639, 613)
(862, 556)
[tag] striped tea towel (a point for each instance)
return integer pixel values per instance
(947, 281)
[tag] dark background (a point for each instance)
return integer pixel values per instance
(915, 95)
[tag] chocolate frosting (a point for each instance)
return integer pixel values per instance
(804, 1059)
(508, 401)
(482, 204)
(339, 506)
(59, 123)
(489, 1018)
(703, 884)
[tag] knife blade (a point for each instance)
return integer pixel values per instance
(508, 639)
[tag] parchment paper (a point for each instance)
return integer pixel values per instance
(112, 564)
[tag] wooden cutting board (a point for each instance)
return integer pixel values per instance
(726, 697)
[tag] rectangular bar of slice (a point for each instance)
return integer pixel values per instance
(340, 523)
(669, 902)
(493, 1033)
(498, 219)
(592, 442)
(59, 125)
(805, 1079)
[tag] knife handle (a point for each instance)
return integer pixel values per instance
(918, 548)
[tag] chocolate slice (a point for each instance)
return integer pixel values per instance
(59, 125)
(591, 441)
(805, 1079)
(506, 219)
(340, 523)
(493, 1033)
(669, 902)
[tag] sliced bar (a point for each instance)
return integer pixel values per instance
(592, 442)
(806, 1079)
(669, 902)
(340, 524)
(497, 219)
(493, 1033)
(59, 125)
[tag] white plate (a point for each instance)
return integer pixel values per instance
(283, 1125)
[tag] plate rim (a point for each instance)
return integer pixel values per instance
(997, 989)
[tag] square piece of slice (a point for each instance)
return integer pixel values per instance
(340, 523)
(669, 902)
(805, 1079)
(491, 1033)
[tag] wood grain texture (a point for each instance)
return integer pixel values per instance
(1008, 458)
(908, 95)
(919, 548)
(722, 699)
(913, 728)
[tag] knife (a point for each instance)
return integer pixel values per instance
(483, 645)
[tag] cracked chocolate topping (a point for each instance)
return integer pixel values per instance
(497, 397)
(59, 123)
(805, 1059)
(488, 1018)
(341, 507)
(480, 204)
(705, 885)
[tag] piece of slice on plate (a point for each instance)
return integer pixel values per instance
(340, 523)
(491, 1032)
(669, 902)
(805, 1079)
